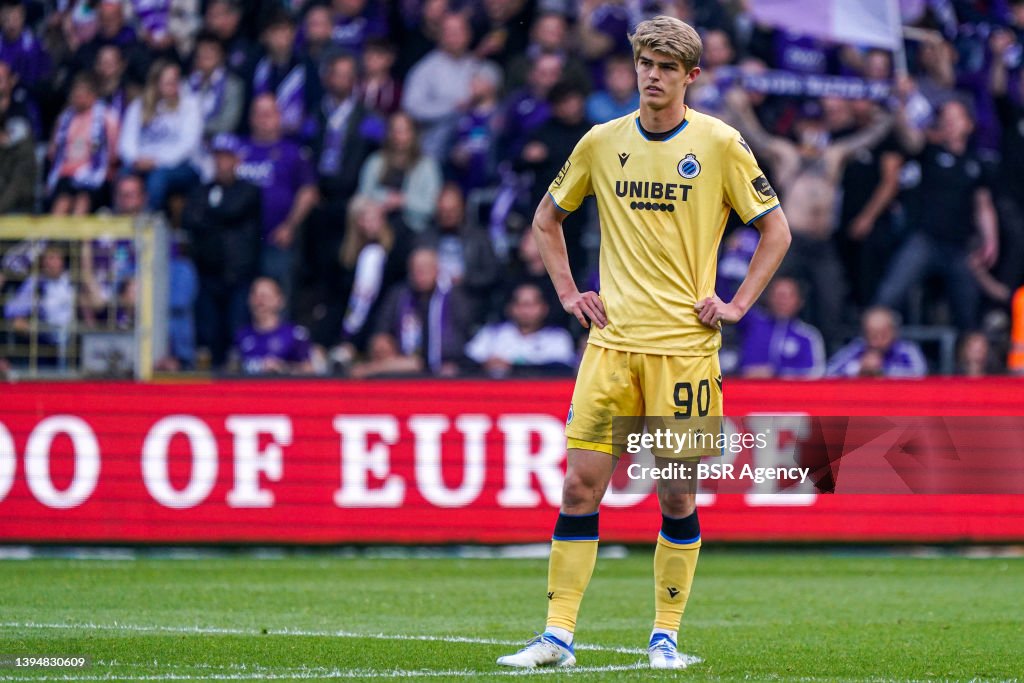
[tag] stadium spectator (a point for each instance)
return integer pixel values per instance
(951, 197)
(547, 149)
(17, 149)
(974, 356)
(776, 343)
(315, 35)
(373, 259)
(356, 22)
(420, 327)
(1009, 192)
(878, 352)
(523, 345)
(113, 260)
(20, 48)
(221, 93)
(551, 143)
(807, 173)
(465, 254)
(224, 219)
(528, 268)
(82, 150)
(223, 18)
(129, 195)
(525, 109)
(380, 91)
(619, 95)
(111, 28)
(707, 93)
(344, 134)
(270, 345)
(503, 29)
(402, 176)
(417, 32)
(166, 30)
(344, 131)
(285, 176)
(160, 135)
(472, 160)
(549, 35)
(869, 234)
(437, 87)
(603, 27)
(287, 74)
(113, 90)
(47, 299)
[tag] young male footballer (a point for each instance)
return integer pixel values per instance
(665, 179)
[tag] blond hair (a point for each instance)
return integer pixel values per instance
(354, 239)
(670, 36)
(151, 91)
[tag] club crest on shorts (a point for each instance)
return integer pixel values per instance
(568, 420)
(689, 167)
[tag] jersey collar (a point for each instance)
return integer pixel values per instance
(682, 126)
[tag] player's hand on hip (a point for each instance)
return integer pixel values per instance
(712, 312)
(587, 307)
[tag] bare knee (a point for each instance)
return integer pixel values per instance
(677, 503)
(581, 495)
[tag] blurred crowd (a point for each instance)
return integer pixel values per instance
(351, 182)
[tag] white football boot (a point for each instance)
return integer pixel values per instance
(663, 653)
(544, 650)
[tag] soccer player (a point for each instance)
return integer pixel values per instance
(665, 179)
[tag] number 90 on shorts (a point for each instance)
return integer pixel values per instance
(619, 392)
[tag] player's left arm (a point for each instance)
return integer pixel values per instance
(772, 247)
(751, 196)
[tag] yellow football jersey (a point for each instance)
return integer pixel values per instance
(663, 207)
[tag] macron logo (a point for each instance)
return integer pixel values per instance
(623, 158)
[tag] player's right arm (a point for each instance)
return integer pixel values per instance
(547, 229)
(565, 194)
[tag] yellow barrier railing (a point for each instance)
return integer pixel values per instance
(83, 295)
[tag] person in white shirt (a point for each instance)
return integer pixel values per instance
(161, 134)
(523, 345)
(437, 88)
(49, 297)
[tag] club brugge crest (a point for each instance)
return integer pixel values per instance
(568, 420)
(689, 167)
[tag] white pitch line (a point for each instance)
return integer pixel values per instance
(204, 630)
(344, 673)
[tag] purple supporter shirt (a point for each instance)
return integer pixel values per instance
(475, 135)
(279, 169)
(287, 343)
(732, 267)
(802, 54)
(153, 15)
(903, 359)
(351, 33)
(26, 57)
(792, 348)
(523, 113)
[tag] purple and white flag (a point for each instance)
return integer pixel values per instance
(868, 23)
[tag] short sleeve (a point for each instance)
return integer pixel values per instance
(572, 184)
(747, 190)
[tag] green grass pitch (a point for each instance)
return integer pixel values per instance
(795, 616)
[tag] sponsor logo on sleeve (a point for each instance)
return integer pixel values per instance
(764, 189)
(561, 174)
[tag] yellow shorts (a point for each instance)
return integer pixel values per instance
(617, 393)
